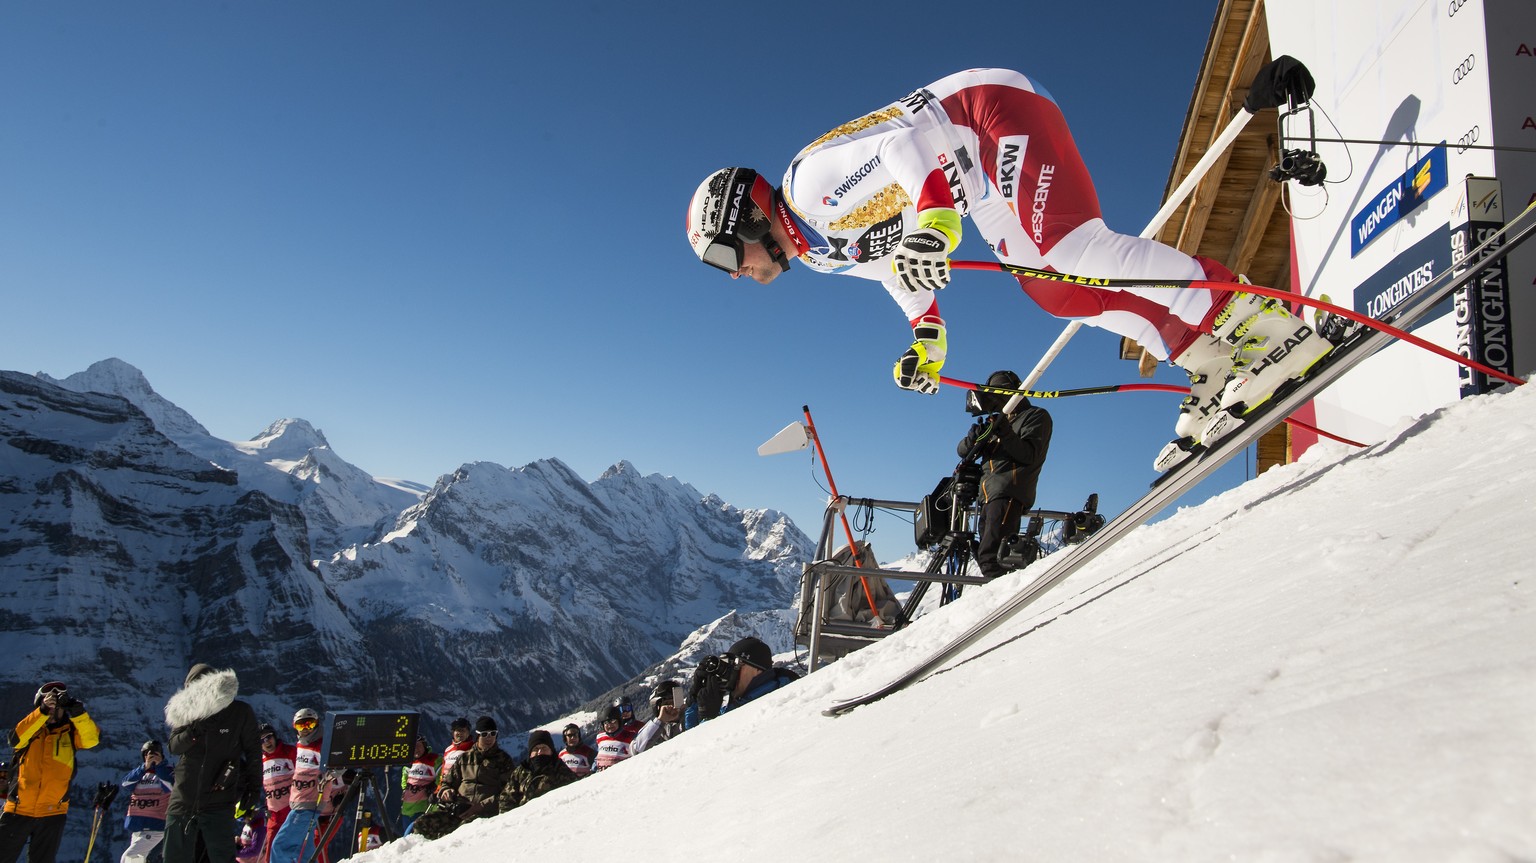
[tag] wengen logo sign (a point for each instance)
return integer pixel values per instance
(1418, 184)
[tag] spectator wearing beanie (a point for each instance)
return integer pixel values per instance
(539, 773)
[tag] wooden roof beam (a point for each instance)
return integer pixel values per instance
(1256, 219)
(1253, 44)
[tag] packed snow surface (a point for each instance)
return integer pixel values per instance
(1335, 661)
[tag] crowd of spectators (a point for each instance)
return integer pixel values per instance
(238, 791)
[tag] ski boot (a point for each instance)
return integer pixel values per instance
(1209, 364)
(1269, 347)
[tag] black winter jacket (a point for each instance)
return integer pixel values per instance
(1013, 452)
(209, 730)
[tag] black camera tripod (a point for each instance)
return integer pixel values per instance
(359, 785)
(955, 499)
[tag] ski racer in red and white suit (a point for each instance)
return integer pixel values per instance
(991, 144)
(882, 197)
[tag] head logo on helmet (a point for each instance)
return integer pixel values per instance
(729, 210)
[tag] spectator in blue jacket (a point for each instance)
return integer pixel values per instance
(745, 673)
(149, 796)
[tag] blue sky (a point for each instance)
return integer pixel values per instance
(453, 232)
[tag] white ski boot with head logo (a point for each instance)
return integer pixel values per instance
(1269, 347)
(1209, 364)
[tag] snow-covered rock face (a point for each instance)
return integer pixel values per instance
(126, 555)
(558, 586)
(126, 558)
(289, 461)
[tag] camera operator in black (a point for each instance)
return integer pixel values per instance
(1011, 450)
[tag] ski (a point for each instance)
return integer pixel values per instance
(1356, 347)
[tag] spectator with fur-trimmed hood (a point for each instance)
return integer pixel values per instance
(215, 737)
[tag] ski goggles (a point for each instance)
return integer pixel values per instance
(725, 253)
(305, 724)
(750, 193)
(54, 688)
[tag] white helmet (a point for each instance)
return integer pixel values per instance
(730, 209)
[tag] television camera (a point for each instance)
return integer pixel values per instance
(946, 521)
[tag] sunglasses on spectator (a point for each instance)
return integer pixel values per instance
(486, 733)
(268, 737)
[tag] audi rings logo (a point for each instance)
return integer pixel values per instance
(1466, 141)
(1454, 7)
(1463, 69)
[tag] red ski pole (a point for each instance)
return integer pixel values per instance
(1348, 314)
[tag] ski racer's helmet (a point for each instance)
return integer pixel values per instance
(151, 746)
(613, 715)
(731, 208)
(979, 403)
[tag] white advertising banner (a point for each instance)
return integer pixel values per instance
(1398, 78)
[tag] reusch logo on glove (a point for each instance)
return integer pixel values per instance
(923, 243)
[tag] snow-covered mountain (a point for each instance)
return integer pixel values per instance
(289, 461)
(570, 582)
(126, 555)
(126, 558)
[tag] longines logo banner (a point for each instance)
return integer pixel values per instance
(1405, 275)
(1483, 330)
(1418, 184)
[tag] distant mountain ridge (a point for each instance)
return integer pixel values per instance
(290, 460)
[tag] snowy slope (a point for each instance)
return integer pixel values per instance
(1335, 661)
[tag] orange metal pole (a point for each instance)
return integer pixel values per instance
(853, 547)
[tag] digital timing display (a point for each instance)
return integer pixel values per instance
(369, 738)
